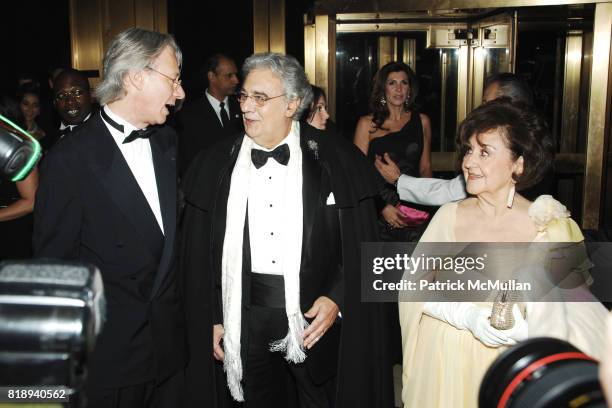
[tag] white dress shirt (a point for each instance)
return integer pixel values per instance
(70, 128)
(139, 158)
(214, 102)
(265, 205)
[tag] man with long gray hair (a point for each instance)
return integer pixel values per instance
(108, 197)
(272, 230)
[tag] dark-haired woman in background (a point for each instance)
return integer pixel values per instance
(16, 200)
(317, 115)
(28, 97)
(395, 129)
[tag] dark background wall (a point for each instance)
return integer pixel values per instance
(36, 36)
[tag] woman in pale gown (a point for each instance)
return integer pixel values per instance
(448, 346)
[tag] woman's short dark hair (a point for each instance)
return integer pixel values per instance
(525, 132)
(379, 110)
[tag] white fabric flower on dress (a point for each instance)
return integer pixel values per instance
(546, 209)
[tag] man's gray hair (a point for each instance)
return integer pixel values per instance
(132, 50)
(289, 71)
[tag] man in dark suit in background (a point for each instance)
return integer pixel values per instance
(72, 101)
(108, 196)
(72, 98)
(213, 116)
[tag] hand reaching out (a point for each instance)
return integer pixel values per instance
(387, 168)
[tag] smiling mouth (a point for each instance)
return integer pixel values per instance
(73, 112)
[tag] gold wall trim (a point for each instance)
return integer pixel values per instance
(269, 26)
(325, 50)
(95, 23)
(479, 55)
(598, 116)
(261, 33)
(86, 39)
(463, 76)
(390, 7)
(386, 27)
(387, 50)
(310, 57)
(571, 91)
(409, 55)
(277, 26)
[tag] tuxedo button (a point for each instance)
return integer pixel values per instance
(119, 244)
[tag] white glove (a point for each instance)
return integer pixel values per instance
(465, 315)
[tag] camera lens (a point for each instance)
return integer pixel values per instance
(542, 373)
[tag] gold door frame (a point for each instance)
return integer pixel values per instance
(320, 57)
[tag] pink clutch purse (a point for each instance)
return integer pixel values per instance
(411, 216)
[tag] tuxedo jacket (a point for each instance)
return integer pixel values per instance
(199, 128)
(90, 208)
(330, 257)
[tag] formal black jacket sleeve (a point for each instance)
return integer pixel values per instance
(57, 211)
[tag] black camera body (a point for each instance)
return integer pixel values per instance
(50, 314)
(18, 151)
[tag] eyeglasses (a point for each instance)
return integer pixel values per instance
(66, 96)
(175, 82)
(260, 100)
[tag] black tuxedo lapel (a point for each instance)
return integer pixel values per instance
(311, 187)
(164, 163)
(219, 211)
(112, 170)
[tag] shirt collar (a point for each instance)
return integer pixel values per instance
(292, 139)
(127, 126)
(214, 101)
(64, 126)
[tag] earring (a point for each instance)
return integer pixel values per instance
(383, 101)
(510, 199)
(407, 101)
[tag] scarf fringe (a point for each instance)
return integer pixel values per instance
(233, 369)
(293, 344)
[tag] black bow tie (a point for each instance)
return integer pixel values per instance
(139, 134)
(136, 134)
(280, 154)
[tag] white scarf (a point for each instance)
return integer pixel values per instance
(231, 264)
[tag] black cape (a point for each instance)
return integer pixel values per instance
(364, 377)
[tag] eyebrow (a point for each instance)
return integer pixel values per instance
(484, 145)
(254, 92)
